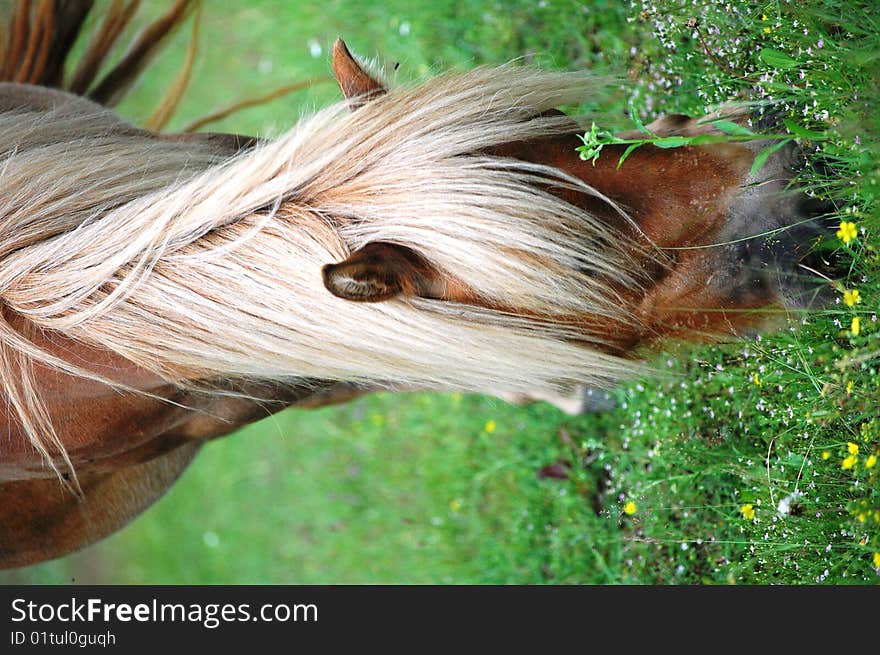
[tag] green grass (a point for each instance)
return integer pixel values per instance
(434, 488)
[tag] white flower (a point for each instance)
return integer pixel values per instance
(784, 506)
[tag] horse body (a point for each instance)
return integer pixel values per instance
(127, 418)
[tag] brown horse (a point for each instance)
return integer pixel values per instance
(162, 290)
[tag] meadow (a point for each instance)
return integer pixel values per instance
(749, 462)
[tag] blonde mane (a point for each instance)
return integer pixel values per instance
(199, 267)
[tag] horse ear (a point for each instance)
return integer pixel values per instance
(356, 84)
(380, 271)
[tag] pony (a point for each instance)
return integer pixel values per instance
(160, 290)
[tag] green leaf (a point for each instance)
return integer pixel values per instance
(672, 141)
(703, 139)
(626, 153)
(777, 59)
(802, 132)
(729, 127)
(634, 115)
(586, 152)
(762, 157)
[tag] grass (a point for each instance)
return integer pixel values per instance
(750, 462)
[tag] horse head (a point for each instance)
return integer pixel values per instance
(709, 243)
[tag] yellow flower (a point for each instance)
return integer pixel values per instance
(490, 426)
(630, 508)
(849, 461)
(756, 379)
(455, 504)
(869, 463)
(852, 297)
(849, 387)
(825, 454)
(847, 231)
(748, 512)
(862, 517)
(876, 560)
(856, 326)
(767, 30)
(852, 448)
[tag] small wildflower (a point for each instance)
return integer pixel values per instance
(869, 463)
(852, 448)
(756, 379)
(825, 454)
(849, 461)
(849, 387)
(455, 504)
(748, 512)
(490, 426)
(630, 508)
(847, 231)
(856, 326)
(767, 30)
(784, 506)
(851, 297)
